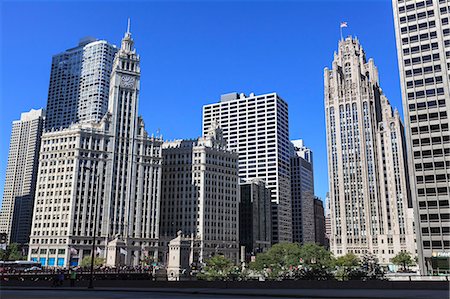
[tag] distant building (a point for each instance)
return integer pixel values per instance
(21, 175)
(254, 217)
(319, 222)
(302, 190)
(79, 84)
(423, 51)
(327, 219)
(257, 128)
(370, 199)
(103, 177)
(200, 195)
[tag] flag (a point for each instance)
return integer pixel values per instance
(73, 251)
(343, 24)
(123, 251)
(98, 251)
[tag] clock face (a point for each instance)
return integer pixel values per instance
(127, 81)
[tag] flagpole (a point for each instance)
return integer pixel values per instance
(340, 29)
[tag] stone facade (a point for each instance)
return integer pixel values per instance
(200, 195)
(368, 177)
(100, 176)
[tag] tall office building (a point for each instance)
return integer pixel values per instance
(319, 222)
(257, 128)
(79, 84)
(200, 195)
(100, 178)
(302, 190)
(255, 217)
(423, 46)
(21, 173)
(368, 175)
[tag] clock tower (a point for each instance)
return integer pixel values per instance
(123, 108)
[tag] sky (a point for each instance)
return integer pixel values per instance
(194, 51)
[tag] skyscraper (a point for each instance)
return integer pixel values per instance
(368, 175)
(255, 217)
(100, 179)
(423, 47)
(257, 128)
(79, 84)
(200, 195)
(21, 173)
(302, 190)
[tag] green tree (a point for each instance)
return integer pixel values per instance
(316, 256)
(317, 263)
(13, 252)
(278, 260)
(217, 267)
(403, 259)
(86, 262)
(348, 267)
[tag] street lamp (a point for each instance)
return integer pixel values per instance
(91, 277)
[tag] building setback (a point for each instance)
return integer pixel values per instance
(21, 173)
(254, 217)
(79, 84)
(368, 175)
(257, 128)
(200, 196)
(100, 176)
(302, 190)
(423, 50)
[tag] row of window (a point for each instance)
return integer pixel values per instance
(424, 105)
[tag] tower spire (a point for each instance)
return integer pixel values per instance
(127, 41)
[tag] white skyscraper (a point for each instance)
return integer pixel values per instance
(257, 128)
(21, 173)
(369, 190)
(102, 177)
(423, 50)
(200, 195)
(79, 84)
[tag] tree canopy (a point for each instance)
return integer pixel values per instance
(12, 253)
(217, 267)
(86, 261)
(403, 259)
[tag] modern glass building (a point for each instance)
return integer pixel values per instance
(79, 84)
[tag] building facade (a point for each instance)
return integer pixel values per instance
(200, 195)
(368, 175)
(255, 217)
(79, 84)
(257, 128)
(319, 222)
(102, 177)
(302, 190)
(423, 50)
(21, 173)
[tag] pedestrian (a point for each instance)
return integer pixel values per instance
(73, 277)
(55, 280)
(61, 278)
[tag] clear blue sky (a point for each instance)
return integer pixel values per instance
(192, 52)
